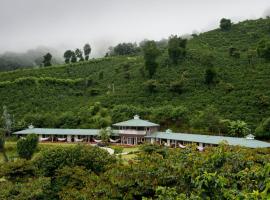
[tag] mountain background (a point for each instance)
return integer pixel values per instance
(59, 96)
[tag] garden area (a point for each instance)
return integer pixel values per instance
(148, 172)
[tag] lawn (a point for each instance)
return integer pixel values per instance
(130, 149)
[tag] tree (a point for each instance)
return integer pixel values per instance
(210, 75)
(105, 134)
(124, 49)
(151, 52)
(67, 56)
(238, 128)
(87, 51)
(47, 60)
(225, 24)
(7, 120)
(176, 48)
(207, 119)
(92, 158)
(251, 54)
(263, 129)
(27, 146)
(263, 49)
(79, 54)
(2, 144)
(73, 57)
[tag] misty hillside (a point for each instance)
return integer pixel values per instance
(30, 59)
(241, 91)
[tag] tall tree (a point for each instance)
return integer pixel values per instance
(263, 49)
(151, 52)
(210, 75)
(176, 48)
(87, 51)
(67, 56)
(2, 144)
(47, 60)
(225, 24)
(79, 54)
(73, 57)
(7, 120)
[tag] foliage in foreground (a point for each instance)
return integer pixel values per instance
(83, 172)
(27, 146)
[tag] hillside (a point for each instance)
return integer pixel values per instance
(242, 91)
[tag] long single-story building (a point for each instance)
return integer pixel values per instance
(136, 131)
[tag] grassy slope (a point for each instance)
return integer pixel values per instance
(249, 82)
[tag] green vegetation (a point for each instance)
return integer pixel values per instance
(155, 172)
(47, 60)
(26, 147)
(176, 49)
(211, 74)
(225, 24)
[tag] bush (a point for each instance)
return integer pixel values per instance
(92, 158)
(27, 146)
(151, 85)
(210, 76)
(263, 49)
(177, 87)
(263, 129)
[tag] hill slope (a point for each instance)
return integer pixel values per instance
(242, 91)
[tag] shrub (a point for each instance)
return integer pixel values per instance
(263, 49)
(92, 158)
(210, 76)
(27, 146)
(151, 85)
(234, 52)
(263, 129)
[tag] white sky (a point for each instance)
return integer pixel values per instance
(63, 24)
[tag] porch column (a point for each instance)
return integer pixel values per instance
(69, 138)
(152, 140)
(168, 142)
(39, 137)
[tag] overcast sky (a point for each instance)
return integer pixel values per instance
(63, 24)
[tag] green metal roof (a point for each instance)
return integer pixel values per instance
(59, 131)
(210, 139)
(136, 122)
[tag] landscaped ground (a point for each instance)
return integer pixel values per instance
(128, 152)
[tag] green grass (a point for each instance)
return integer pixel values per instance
(130, 149)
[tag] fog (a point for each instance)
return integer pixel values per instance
(67, 24)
